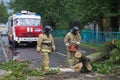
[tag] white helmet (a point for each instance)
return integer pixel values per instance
(47, 28)
(75, 28)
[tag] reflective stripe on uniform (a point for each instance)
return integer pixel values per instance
(46, 67)
(46, 50)
(47, 41)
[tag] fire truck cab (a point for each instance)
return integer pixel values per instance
(24, 27)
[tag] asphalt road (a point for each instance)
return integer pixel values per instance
(57, 59)
(29, 53)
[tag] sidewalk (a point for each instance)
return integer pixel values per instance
(3, 54)
(2, 59)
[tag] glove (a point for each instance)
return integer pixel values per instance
(53, 49)
(38, 49)
(67, 44)
(38, 52)
(77, 43)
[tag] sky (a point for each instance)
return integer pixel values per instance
(6, 1)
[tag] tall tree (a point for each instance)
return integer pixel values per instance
(3, 12)
(52, 11)
(115, 10)
(61, 13)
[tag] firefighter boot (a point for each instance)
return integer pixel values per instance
(45, 66)
(71, 63)
(45, 62)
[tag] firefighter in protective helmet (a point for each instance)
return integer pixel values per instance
(76, 59)
(45, 45)
(72, 40)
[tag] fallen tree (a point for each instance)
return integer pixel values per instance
(104, 51)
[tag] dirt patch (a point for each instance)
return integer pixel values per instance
(78, 76)
(82, 76)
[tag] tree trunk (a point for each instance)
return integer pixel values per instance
(114, 22)
(95, 56)
(100, 22)
(106, 49)
(85, 61)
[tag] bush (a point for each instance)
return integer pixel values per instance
(111, 65)
(117, 44)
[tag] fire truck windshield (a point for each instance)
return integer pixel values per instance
(28, 22)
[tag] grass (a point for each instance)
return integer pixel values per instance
(88, 45)
(111, 65)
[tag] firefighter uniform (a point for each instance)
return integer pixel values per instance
(75, 58)
(69, 40)
(45, 45)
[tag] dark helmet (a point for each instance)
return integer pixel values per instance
(75, 28)
(47, 28)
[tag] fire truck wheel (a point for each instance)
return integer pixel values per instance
(15, 44)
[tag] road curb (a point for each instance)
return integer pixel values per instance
(3, 50)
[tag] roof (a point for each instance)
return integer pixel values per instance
(26, 16)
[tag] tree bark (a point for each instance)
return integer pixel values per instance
(106, 49)
(114, 20)
(95, 56)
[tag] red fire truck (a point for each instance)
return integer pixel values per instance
(24, 27)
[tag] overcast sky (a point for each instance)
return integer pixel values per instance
(6, 1)
(9, 10)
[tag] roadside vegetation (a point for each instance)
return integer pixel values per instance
(111, 62)
(21, 70)
(88, 45)
(111, 65)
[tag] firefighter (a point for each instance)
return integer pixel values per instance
(75, 58)
(72, 41)
(45, 45)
